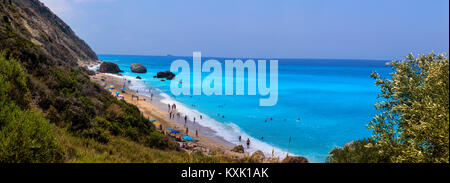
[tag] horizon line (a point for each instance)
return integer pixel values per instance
(255, 58)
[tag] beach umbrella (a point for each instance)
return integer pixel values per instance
(158, 124)
(175, 132)
(152, 121)
(170, 129)
(124, 89)
(188, 138)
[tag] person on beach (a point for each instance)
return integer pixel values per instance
(201, 117)
(168, 106)
(240, 138)
(185, 120)
(151, 97)
(194, 120)
(178, 115)
(248, 143)
(196, 133)
(187, 131)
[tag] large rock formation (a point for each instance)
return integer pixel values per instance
(138, 68)
(295, 159)
(33, 21)
(109, 67)
(258, 156)
(167, 74)
(238, 149)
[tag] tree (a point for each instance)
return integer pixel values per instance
(413, 125)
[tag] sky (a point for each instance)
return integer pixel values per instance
(345, 29)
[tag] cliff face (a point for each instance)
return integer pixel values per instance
(33, 21)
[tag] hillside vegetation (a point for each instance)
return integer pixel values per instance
(52, 112)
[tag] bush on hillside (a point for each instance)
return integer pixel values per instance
(25, 136)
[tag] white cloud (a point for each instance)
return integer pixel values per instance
(65, 7)
(60, 7)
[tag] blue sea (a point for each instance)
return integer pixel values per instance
(322, 104)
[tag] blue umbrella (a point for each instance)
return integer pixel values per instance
(175, 132)
(188, 138)
(170, 129)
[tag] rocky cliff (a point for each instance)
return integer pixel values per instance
(33, 21)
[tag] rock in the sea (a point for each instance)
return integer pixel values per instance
(295, 159)
(259, 156)
(138, 77)
(138, 68)
(167, 74)
(238, 149)
(109, 67)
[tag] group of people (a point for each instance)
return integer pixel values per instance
(247, 142)
(172, 110)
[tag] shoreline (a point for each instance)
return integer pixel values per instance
(153, 110)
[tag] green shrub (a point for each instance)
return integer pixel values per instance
(357, 152)
(13, 82)
(25, 136)
(413, 125)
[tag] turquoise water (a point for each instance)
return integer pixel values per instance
(334, 100)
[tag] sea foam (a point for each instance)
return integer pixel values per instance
(228, 131)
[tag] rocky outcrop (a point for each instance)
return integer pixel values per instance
(109, 67)
(138, 68)
(295, 159)
(350, 145)
(33, 21)
(238, 149)
(258, 156)
(167, 74)
(88, 71)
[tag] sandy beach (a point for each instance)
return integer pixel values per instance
(153, 110)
